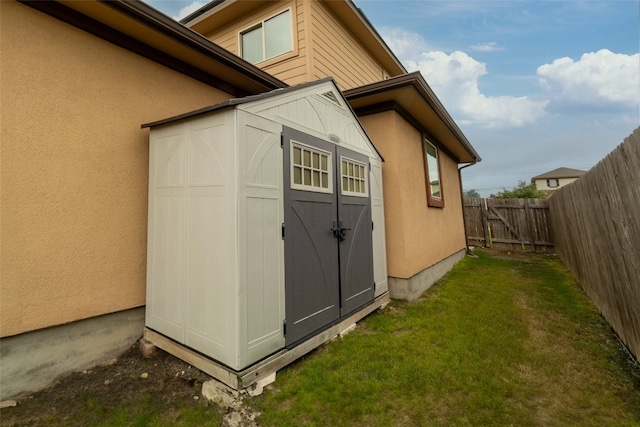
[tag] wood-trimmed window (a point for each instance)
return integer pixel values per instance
(435, 196)
(267, 39)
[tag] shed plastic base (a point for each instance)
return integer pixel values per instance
(240, 380)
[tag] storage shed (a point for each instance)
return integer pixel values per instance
(266, 229)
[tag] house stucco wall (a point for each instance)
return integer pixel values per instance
(418, 236)
(74, 168)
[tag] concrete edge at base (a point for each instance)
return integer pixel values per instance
(33, 360)
(413, 287)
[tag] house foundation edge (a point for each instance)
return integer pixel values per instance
(413, 287)
(34, 360)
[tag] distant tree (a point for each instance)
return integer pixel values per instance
(521, 191)
(471, 193)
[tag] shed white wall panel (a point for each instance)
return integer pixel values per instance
(261, 251)
(216, 256)
(379, 239)
(312, 112)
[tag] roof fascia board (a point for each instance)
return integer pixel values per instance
(395, 106)
(345, 10)
(158, 21)
(248, 79)
(100, 30)
(426, 93)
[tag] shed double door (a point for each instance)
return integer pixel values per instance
(328, 233)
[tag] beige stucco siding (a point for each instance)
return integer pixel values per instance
(289, 67)
(418, 236)
(74, 168)
(337, 53)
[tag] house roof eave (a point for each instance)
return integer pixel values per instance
(411, 94)
(140, 28)
(218, 12)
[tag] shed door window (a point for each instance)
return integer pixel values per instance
(434, 182)
(268, 39)
(310, 169)
(354, 178)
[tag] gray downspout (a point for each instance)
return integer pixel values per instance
(464, 220)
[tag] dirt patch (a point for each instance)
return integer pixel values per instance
(163, 382)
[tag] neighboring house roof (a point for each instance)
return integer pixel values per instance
(560, 173)
(217, 13)
(411, 96)
(140, 28)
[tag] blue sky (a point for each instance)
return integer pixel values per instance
(534, 85)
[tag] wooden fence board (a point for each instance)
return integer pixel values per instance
(597, 234)
(511, 224)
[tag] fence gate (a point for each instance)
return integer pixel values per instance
(508, 223)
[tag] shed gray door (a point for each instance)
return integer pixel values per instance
(328, 242)
(356, 250)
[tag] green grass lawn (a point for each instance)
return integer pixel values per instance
(497, 342)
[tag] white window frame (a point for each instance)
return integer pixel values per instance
(261, 25)
(292, 166)
(363, 181)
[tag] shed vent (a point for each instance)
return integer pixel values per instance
(332, 97)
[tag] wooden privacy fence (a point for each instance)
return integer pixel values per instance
(597, 223)
(512, 224)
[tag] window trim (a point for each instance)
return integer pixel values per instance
(432, 201)
(330, 167)
(553, 186)
(260, 24)
(364, 180)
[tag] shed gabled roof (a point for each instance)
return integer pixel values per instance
(560, 173)
(320, 88)
(138, 27)
(411, 96)
(218, 13)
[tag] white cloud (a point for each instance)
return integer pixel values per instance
(597, 79)
(403, 43)
(454, 78)
(185, 11)
(487, 47)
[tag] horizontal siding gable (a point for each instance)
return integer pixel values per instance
(337, 53)
(291, 68)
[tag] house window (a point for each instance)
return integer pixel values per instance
(268, 39)
(553, 182)
(432, 172)
(310, 169)
(354, 178)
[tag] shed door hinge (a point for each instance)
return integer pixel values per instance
(372, 225)
(284, 327)
(283, 231)
(281, 140)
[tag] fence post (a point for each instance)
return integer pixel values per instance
(529, 218)
(486, 227)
